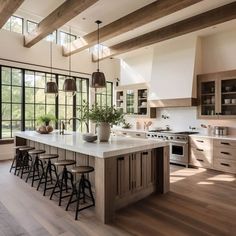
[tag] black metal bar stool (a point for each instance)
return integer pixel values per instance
(79, 191)
(46, 175)
(62, 179)
(26, 158)
(35, 164)
(17, 160)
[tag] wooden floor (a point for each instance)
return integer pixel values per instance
(200, 203)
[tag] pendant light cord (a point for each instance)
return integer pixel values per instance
(51, 57)
(70, 54)
(98, 45)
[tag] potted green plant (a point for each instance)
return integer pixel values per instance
(45, 120)
(104, 117)
(83, 112)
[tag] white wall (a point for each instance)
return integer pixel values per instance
(137, 67)
(219, 52)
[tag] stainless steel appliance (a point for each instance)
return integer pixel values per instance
(179, 144)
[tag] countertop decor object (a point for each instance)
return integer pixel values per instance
(104, 117)
(98, 77)
(45, 127)
(89, 137)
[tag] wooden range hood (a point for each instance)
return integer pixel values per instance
(178, 102)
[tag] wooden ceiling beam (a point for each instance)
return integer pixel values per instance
(207, 19)
(129, 22)
(64, 13)
(7, 9)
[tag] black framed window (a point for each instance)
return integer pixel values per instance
(14, 24)
(104, 96)
(11, 101)
(22, 100)
(65, 38)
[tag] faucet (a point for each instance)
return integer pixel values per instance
(62, 127)
(73, 118)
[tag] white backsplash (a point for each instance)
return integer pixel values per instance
(182, 119)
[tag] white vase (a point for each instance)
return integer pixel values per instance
(104, 131)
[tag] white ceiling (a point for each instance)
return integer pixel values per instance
(108, 11)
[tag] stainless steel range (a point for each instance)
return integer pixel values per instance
(179, 144)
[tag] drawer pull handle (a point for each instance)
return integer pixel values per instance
(200, 150)
(200, 160)
(138, 134)
(224, 143)
(200, 141)
(124, 133)
(145, 153)
(226, 153)
(120, 158)
(224, 164)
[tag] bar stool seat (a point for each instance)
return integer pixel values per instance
(35, 164)
(80, 190)
(82, 169)
(36, 152)
(49, 168)
(62, 180)
(25, 148)
(47, 156)
(64, 162)
(17, 160)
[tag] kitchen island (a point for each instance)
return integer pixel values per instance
(126, 169)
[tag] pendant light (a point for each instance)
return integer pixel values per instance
(69, 86)
(51, 87)
(98, 78)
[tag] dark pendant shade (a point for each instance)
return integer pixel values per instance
(98, 80)
(69, 86)
(51, 88)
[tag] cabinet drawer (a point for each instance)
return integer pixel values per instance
(224, 165)
(225, 143)
(200, 157)
(137, 135)
(201, 143)
(225, 153)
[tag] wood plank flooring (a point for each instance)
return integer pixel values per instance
(200, 203)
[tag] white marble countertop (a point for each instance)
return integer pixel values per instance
(129, 130)
(73, 141)
(226, 137)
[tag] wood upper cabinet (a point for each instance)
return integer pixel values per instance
(132, 100)
(217, 95)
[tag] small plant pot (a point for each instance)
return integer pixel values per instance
(104, 131)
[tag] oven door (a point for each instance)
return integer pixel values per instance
(179, 152)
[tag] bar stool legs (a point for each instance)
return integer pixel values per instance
(80, 191)
(47, 176)
(34, 168)
(62, 184)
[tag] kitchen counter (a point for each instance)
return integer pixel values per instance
(226, 137)
(73, 141)
(126, 169)
(129, 130)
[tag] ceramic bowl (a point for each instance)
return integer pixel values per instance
(227, 101)
(89, 137)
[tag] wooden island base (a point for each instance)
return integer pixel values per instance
(118, 180)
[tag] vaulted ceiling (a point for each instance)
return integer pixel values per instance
(109, 11)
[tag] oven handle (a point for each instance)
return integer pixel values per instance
(178, 142)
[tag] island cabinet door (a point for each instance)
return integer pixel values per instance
(123, 175)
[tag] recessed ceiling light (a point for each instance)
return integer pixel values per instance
(83, 18)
